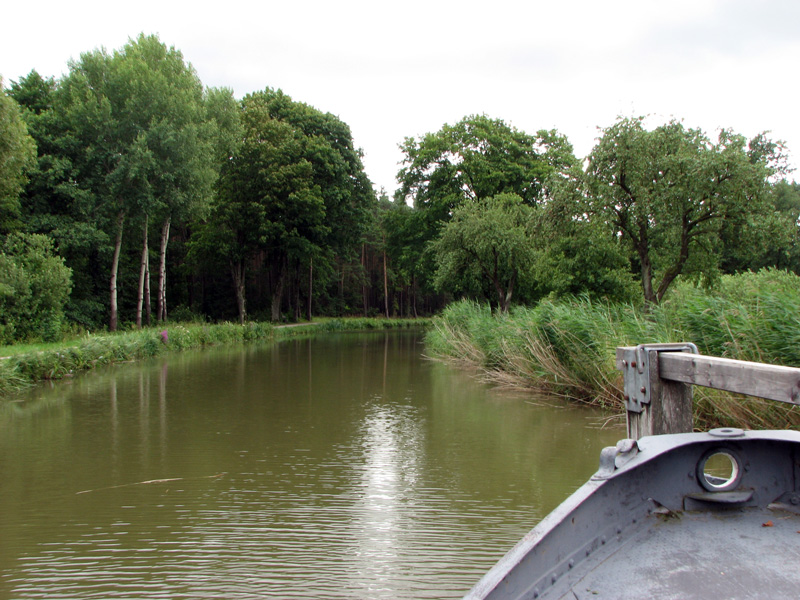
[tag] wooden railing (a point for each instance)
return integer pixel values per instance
(659, 380)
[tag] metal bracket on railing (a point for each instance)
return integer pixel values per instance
(636, 369)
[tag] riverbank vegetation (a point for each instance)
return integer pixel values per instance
(567, 346)
(155, 198)
(23, 365)
(259, 209)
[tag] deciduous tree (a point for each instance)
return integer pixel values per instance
(292, 196)
(338, 173)
(668, 192)
(487, 247)
(17, 154)
(54, 201)
(267, 202)
(137, 115)
(474, 160)
(776, 243)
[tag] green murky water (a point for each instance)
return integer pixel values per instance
(345, 466)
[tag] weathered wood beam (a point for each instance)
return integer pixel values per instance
(773, 382)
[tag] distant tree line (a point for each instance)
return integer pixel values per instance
(260, 208)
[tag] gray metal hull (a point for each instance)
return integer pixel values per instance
(649, 524)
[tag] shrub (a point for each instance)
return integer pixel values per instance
(34, 287)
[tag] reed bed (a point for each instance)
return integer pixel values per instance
(567, 347)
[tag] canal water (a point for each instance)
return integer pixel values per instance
(343, 466)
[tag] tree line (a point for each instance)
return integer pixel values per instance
(260, 207)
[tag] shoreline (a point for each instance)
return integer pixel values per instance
(59, 361)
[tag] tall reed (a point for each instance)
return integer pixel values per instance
(567, 347)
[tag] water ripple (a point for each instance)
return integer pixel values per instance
(357, 489)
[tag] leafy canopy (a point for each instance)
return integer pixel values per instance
(17, 154)
(478, 158)
(667, 193)
(487, 248)
(471, 162)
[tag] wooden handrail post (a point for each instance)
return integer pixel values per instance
(659, 380)
(654, 406)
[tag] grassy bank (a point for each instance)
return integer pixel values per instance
(568, 347)
(21, 366)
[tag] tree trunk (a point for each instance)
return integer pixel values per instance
(142, 276)
(277, 292)
(296, 294)
(364, 297)
(677, 268)
(385, 281)
(511, 282)
(238, 273)
(112, 322)
(310, 285)
(147, 307)
(502, 297)
(414, 298)
(646, 272)
(641, 243)
(161, 310)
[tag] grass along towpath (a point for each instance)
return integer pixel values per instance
(22, 365)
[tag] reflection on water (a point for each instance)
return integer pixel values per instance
(341, 467)
(391, 441)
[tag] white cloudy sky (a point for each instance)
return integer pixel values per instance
(392, 70)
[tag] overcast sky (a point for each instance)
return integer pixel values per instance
(399, 69)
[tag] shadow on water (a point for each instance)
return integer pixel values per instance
(343, 466)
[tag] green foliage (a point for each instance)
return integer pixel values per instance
(751, 316)
(294, 192)
(406, 233)
(54, 203)
(138, 113)
(774, 243)
(129, 140)
(184, 314)
(34, 287)
(355, 324)
(487, 249)
(138, 140)
(476, 159)
(563, 347)
(17, 154)
(94, 350)
(467, 331)
(501, 248)
(578, 256)
(669, 193)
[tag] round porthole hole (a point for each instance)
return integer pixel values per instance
(719, 470)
